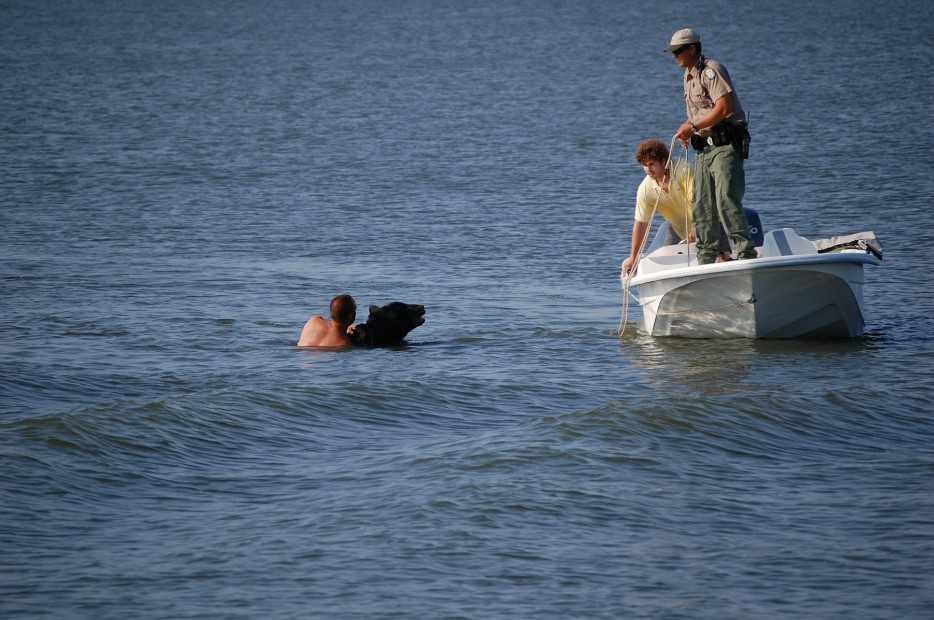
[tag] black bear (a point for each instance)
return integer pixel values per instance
(388, 325)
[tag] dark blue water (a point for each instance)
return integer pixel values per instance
(182, 184)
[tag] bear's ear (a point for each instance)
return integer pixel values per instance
(374, 309)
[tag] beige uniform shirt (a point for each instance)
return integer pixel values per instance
(705, 84)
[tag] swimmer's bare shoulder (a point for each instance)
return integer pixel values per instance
(319, 332)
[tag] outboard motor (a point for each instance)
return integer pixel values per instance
(756, 232)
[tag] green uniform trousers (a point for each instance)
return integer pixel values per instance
(719, 186)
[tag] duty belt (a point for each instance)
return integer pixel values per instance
(700, 143)
(721, 134)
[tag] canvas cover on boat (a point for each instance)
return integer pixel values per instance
(865, 240)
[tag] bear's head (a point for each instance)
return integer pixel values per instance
(388, 325)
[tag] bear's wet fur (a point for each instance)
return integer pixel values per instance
(388, 325)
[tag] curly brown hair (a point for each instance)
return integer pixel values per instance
(651, 150)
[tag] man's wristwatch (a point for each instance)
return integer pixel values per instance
(693, 128)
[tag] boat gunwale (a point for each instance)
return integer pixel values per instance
(763, 262)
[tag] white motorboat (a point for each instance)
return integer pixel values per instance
(797, 288)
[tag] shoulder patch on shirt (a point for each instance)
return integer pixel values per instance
(710, 74)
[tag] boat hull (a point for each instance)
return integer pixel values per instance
(791, 301)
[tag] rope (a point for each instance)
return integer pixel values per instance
(624, 318)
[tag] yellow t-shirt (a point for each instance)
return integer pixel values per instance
(673, 205)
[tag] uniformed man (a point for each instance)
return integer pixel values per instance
(716, 128)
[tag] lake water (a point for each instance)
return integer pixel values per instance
(183, 184)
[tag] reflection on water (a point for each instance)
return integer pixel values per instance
(743, 367)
